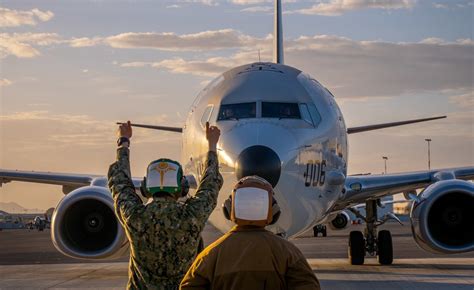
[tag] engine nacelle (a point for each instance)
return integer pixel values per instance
(340, 221)
(443, 217)
(84, 225)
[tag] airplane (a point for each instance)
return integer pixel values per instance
(281, 124)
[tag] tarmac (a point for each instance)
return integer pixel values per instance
(28, 260)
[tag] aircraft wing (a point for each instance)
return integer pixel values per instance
(69, 181)
(359, 189)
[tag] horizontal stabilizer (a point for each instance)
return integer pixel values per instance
(162, 128)
(387, 125)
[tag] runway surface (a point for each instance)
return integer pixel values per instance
(29, 260)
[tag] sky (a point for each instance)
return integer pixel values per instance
(70, 69)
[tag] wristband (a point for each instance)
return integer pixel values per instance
(122, 140)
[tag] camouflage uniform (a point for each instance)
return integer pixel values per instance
(163, 234)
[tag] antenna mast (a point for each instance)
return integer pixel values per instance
(278, 34)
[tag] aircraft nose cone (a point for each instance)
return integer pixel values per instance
(259, 160)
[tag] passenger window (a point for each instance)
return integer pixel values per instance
(206, 115)
(305, 114)
(280, 110)
(237, 111)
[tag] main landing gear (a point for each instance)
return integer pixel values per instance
(320, 229)
(372, 243)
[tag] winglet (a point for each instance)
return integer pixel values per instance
(387, 125)
(162, 128)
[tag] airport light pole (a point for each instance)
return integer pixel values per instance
(385, 158)
(429, 153)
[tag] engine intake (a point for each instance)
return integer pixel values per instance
(340, 221)
(85, 226)
(442, 219)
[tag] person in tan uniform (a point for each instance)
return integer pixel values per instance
(248, 256)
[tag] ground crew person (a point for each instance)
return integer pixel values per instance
(163, 234)
(248, 256)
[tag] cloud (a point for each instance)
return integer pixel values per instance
(5, 82)
(354, 69)
(22, 45)
(217, 39)
(204, 68)
(85, 41)
(440, 6)
(169, 41)
(204, 2)
(13, 18)
(376, 68)
(338, 7)
(464, 100)
(256, 9)
(62, 130)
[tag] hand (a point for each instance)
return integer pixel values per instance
(125, 130)
(212, 136)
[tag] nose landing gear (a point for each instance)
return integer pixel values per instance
(372, 243)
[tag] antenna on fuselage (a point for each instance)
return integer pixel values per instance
(278, 34)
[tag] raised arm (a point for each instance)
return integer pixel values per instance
(128, 204)
(205, 200)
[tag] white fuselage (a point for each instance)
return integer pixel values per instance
(308, 147)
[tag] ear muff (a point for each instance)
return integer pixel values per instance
(184, 186)
(275, 211)
(144, 191)
(227, 207)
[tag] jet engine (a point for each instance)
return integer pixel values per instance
(340, 221)
(442, 217)
(84, 225)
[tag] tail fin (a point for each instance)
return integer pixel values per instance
(278, 34)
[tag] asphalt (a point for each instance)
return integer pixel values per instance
(28, 260)
(24, 247)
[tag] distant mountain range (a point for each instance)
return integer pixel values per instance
(13, 207)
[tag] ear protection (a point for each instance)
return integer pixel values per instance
(249, 185)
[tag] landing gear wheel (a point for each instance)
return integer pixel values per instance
(356, 250)
(320, 229)
(384, 248)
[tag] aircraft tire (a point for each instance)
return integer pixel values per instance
(385, 248)
(356, 249)
(324, 232)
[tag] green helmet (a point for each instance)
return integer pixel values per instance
(163, 175)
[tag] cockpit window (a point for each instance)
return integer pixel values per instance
(237, 111)
(280, 110)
